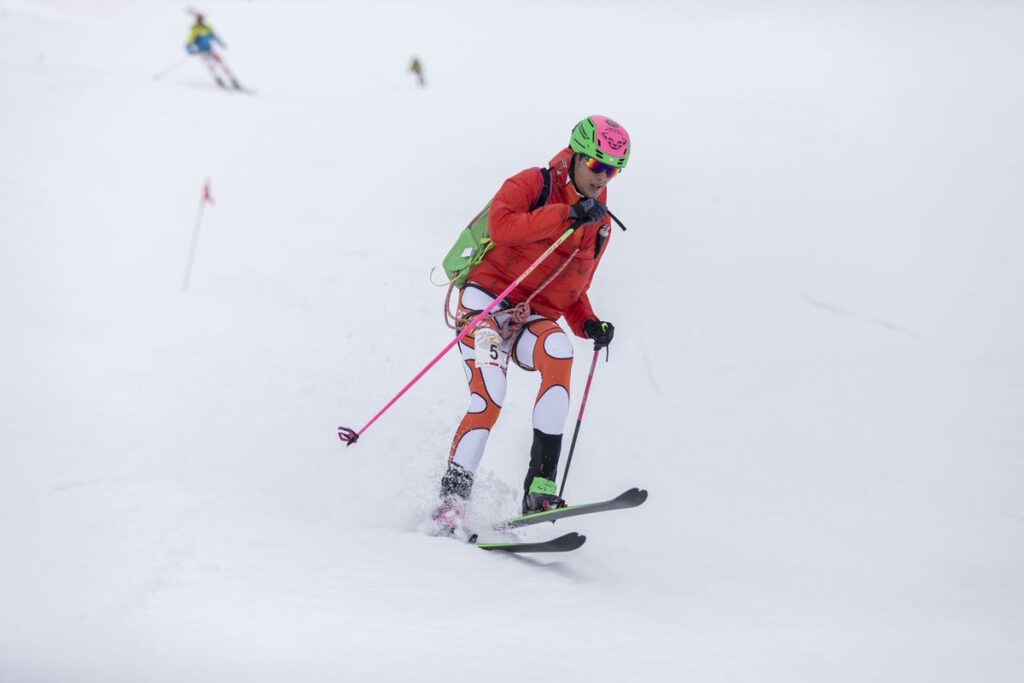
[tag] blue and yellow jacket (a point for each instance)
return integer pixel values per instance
(201, 39)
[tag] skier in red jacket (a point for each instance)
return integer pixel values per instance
(522, 224)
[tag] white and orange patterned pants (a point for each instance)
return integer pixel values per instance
(540, 345)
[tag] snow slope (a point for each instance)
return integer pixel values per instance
(816, 372)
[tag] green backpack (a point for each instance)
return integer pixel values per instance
(474, 243)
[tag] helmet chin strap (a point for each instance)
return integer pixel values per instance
(572, 174)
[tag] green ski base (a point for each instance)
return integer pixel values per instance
(570, 541)
(628, 499)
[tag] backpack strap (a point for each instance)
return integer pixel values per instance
(545, 191)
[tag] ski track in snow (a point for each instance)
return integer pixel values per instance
(831, 308)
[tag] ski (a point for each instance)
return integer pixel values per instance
(238, 87)
(628, 499)
(570, 541)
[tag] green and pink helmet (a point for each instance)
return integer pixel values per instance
(598, 137)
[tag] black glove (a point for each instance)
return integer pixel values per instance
(600, 332)
(587, 211)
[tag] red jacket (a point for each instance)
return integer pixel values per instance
(520, 236)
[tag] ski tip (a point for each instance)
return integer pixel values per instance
(634, 494)
(573, 540)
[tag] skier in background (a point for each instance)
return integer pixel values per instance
(201, 39)
(417, 68)
(522, 224)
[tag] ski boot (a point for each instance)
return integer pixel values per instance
(456, 484)
(541, 496)
(448, 519)
(540, 490)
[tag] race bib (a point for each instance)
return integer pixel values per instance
(488, 347)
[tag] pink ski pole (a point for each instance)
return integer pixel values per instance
(350, 436)
(579, 421)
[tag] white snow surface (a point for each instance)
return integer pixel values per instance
(817, 370)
